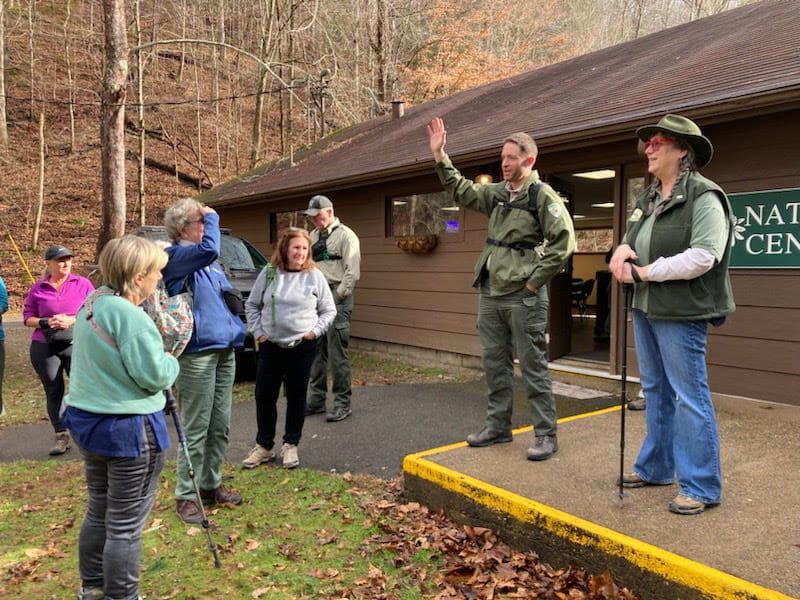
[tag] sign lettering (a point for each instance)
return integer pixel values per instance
(767, 230)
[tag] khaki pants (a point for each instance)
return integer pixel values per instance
(508, 325)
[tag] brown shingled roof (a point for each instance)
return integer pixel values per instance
(745, 56)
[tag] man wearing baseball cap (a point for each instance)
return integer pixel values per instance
(336, 250)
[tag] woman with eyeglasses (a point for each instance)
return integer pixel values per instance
(290, 306)
(675, 253)
(208, 364)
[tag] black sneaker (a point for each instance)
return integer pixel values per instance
(315, 410)
(338, 414)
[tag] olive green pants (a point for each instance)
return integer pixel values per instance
(205, 387)
(508, 325)
(334, 353)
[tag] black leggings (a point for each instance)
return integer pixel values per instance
(50, 360)
(290, 367)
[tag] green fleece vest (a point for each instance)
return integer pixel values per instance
(706, 297)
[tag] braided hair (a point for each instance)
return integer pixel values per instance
(688, 164)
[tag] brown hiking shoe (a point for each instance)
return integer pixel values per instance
(61, 444)
(188, 512)
(221, 495)
(683, 505)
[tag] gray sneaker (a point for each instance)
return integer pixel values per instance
(61, 444)
(544, 446)
(487, 437)
(338, 414)
(91, 593)
(637, 404)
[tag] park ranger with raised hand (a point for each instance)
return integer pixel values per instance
(530, 237)
(336, 251)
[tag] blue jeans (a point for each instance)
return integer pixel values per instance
(121, 494)
(682, 440)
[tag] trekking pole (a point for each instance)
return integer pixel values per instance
(627, 291)
(171, 407)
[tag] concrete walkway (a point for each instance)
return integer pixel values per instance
(747, 547)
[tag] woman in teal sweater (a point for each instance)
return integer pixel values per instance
(115, 415)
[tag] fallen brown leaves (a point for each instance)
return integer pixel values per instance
(472, 562)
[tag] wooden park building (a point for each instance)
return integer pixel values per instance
(737, 74)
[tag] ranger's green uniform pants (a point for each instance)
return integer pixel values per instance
(333, 351)
(509, 324)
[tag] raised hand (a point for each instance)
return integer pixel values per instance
(437, 137)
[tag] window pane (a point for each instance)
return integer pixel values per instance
(421, 214)
(594, 240)
(635, 189)
(295, 218)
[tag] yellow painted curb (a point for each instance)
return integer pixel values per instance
(689, 573)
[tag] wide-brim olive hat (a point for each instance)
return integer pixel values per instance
(685, 129)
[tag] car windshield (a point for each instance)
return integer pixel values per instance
(238, 255)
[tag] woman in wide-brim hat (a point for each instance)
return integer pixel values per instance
(675, 252)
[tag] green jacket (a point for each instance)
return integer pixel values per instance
(128, 379)
(510, 268)
(706, 297)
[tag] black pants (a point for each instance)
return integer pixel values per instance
(290, 367)
(50, 361)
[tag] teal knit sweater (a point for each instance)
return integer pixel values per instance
(127, 380)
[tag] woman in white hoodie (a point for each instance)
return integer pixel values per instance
(289, 307)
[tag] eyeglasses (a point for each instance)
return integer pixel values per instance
(656, 143)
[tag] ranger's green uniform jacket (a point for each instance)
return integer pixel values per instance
(510, 268)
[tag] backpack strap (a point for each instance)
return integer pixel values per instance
(533, 204)
(533, 208)
(88, 305)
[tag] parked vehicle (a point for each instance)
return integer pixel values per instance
(242, 262)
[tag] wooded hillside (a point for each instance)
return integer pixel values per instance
(217, 86)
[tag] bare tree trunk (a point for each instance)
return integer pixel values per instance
(30, 55)
(40, 201)
(3, 120)
(198, 113)
(184, 11)
(140, 112)
(112, 122)
(70, 83)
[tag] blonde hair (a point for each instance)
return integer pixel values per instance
(279, 256)
(125, 257)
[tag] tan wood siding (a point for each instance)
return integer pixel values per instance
(427, 301)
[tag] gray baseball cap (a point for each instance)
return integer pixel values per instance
(316, 204)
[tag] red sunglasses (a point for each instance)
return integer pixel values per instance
(656, 143)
